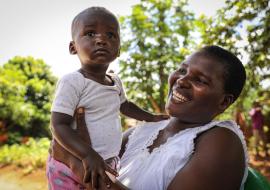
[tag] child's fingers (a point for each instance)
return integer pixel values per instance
(80, 110)
(110, 170)
(106, 179)
(86, 177)
(88, 186)
(94, 180)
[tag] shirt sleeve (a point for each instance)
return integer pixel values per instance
(67, 96)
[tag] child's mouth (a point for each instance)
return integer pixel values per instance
(101, 51)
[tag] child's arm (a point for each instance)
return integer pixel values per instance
(131, 110)
(93, 163)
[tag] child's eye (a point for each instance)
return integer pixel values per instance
(110, 35)
(90, 34)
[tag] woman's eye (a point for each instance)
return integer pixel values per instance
(201, 81)
(182, 71)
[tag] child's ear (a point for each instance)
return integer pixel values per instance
(227, 101)
(72, 48)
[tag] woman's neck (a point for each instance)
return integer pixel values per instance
(175, 125)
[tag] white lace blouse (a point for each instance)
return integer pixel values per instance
(141, 170)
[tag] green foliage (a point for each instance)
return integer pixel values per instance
(242, 26)
(29, 156)
(157, 38)
(228, 27)
(26, 88)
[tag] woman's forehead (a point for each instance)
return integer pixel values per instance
(203, 61)
(204, 64)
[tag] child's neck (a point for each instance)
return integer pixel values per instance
(99, 77)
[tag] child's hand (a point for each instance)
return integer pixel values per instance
(160, 117)
(95, 167)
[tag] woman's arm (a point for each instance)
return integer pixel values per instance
(217, 163)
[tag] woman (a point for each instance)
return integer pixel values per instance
(189, 150)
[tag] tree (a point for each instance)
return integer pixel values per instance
(243, 27)
(26, 87)
(248, 17)
(157, 37)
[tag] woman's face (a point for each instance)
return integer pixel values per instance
(196, 90)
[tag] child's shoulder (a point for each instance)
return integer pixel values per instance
(75, 79)
(72, 75)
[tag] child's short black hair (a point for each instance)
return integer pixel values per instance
(234, 72)
(91, 10)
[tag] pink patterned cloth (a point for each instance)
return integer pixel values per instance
(60, 177)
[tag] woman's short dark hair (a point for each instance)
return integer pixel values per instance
(234, 72)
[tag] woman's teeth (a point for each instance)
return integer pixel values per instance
(178, 97)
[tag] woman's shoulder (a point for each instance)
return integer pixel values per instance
(219, 135)
(223, 135)
(218, 152)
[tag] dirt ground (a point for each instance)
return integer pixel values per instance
(12, 178)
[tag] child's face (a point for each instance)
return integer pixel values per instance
(96, 39)
(196, 90)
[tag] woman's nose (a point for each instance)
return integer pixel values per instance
(183, 82)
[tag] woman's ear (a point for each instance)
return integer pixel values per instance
(226, 102)
(72, 48)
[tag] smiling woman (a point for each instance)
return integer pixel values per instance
(190, 150)
(187, 151)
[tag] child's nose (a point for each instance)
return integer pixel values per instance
(100, 40)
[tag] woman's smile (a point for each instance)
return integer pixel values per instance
(178, 98)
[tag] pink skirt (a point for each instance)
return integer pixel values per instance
(60, 177)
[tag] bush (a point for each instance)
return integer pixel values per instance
(30, 156)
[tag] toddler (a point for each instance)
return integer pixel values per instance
(96, 42)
